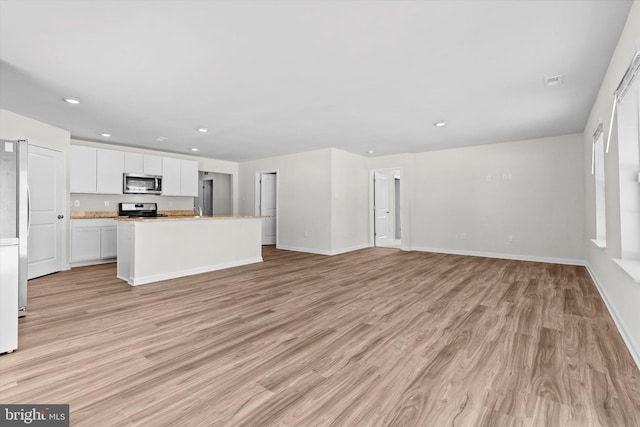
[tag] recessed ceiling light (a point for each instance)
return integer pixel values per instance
(370, 152)
(203, 130)
(194, 149)
(106, 135)
(553, 81)
(161, 138)
(72, 100)
(440, 124)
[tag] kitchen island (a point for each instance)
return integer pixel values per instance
(154, 249)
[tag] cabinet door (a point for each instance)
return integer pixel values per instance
(109, 171)
(152, 165)
(189, 178)
(133, 162)
(85, 244)
(170, 176)
(82, 166)
(108, 242)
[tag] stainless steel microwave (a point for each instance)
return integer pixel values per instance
(135, 183)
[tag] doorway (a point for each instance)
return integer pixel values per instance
(207, 197)
(386, 215)
(267, 205)
(214, 193)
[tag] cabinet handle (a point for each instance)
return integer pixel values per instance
(60, 216)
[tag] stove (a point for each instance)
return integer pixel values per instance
(139, 210)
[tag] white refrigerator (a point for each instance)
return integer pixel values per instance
(14, 224)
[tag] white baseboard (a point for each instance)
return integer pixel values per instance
(93, 262)
(322, 251)
(614, 314)
(305, 250)
(349, 249)
(189, 272)
(549, 260)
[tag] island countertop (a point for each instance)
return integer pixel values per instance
(185, 217)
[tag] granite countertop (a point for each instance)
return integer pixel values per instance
(187, 217)
(114, 214)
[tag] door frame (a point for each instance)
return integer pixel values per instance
(212, 179)
(257, 194)
(371, 215)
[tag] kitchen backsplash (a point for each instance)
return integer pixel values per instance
(96, 202)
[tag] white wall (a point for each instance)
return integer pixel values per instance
(349, 202)
(15, 126)
(304, 198)
(619, 290)
(516, 200)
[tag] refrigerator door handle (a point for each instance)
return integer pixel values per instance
(28, 210)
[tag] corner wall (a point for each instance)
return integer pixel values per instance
(304, 198)
(349, 202)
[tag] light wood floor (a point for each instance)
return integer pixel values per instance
(374, 337)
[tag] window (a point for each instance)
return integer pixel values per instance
(597, 170)
(628, 114)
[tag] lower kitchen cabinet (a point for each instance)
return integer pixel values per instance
(93, 241)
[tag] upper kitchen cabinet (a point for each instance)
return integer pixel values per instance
(110, 166)
(179, 177)
(171, 177)
(83, 169)
(133, 162)
(152, 165)
(142, 163)
(189, 178)
(98, 170)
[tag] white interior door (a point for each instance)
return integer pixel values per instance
(46, 190)
(381, 209)
(268, 207)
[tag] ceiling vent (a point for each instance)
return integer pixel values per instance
(553, 81)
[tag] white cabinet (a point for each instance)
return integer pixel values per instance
(142, 163)
(133, 162)
(171, 174)
(83, 169)
(152, 165)
(93, 241)
(189, 178)
(95, 170)
(108, 242)
(110, 166)
(98, 170)
(179, 177)
(85, 243)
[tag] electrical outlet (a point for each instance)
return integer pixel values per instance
(76, 203)
(106, 203)
(306, 234)
(463, 236)
(510, 237)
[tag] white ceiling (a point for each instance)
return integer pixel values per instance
(276, 77)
